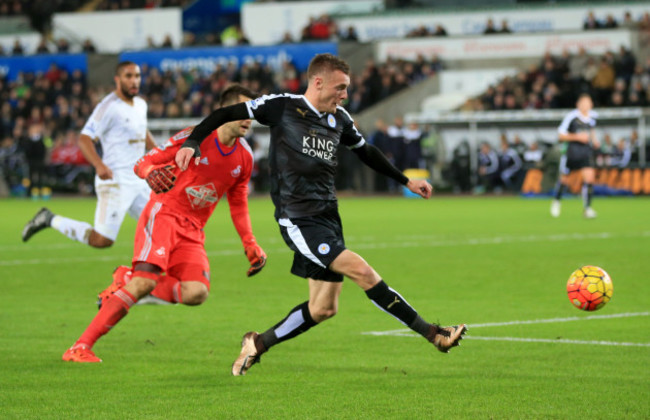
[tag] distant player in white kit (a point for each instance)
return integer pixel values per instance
(119, 123)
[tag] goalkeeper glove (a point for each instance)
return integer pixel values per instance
(257, 258)
(161, 179)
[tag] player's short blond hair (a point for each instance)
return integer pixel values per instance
(326, 63)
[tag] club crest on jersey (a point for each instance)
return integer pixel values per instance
(331, 121)
(323, 249)
(202, 196)
(204, 161)
(256, 102)
(236, 172)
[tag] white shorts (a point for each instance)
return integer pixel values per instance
(115, 197)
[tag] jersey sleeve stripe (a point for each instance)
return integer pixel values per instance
(564, 126)
(246, 146)
(359, 144)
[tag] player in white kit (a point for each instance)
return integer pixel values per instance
(119, 123)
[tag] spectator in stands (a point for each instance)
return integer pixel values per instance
(603, 82)
(287, 38)
(67, 164)
(167, 42)
(505, 29)
(35, 151)
(488, 168)
(610, 22)
(88, 46)
(628, 21)
(576, 64)
(150, 43)
(413, 136)
(510, 166)
(634, 99)
(621, 154)
(418, 32)
(640, 80)
(13, 166)
(42, 48)
(591, 22)
(396, 136)
(440, 31)
(18, 48)
(533, 164)
(489, 27)
(63, 46)
(625, 64)
(350, 34)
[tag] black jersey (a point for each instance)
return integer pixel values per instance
(302, 153)
(575, 122)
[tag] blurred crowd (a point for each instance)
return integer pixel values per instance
(40, 118)
(377, 81)
(613, 80)
(516, 166)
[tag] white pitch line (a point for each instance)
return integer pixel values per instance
(470, 327)
(559, 341)
(554, 320)
(399, 243)
(530, 340)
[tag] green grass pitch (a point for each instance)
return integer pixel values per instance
(482, 261)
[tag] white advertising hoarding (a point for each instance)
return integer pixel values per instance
(504, 46)
(266, 23)
(116, 31)
(540, 19)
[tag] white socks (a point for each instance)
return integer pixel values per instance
(73, 229)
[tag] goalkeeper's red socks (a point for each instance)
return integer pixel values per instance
(111, 312)
(168, 289)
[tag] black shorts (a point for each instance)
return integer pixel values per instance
(316, 241)
(574, 163)
(577, 157)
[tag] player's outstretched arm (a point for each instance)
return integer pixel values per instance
(192, 146)
(374, 158)
(238, 202)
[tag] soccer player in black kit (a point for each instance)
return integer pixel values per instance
(305, 132)
(577, 131)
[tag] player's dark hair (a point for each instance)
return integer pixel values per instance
(121, 65)
(326, 62)
(583, 95)
(231, 94)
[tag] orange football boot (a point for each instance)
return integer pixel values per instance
(80, 354)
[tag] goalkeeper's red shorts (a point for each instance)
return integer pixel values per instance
(172, 242)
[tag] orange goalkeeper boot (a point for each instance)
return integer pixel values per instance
(81, 354)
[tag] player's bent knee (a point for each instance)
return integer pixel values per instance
(98, 241)
(364, 275)
(194, 293)
(321, 314)
(140, 286)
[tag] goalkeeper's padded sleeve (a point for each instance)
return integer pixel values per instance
(375, 159)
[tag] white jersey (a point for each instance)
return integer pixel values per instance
(121, 129)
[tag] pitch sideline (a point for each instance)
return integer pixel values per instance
(408, 333)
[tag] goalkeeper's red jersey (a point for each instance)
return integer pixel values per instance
(222, 171)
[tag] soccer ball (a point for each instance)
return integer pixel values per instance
(589, 288)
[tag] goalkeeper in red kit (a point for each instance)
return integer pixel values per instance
(169, 259)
